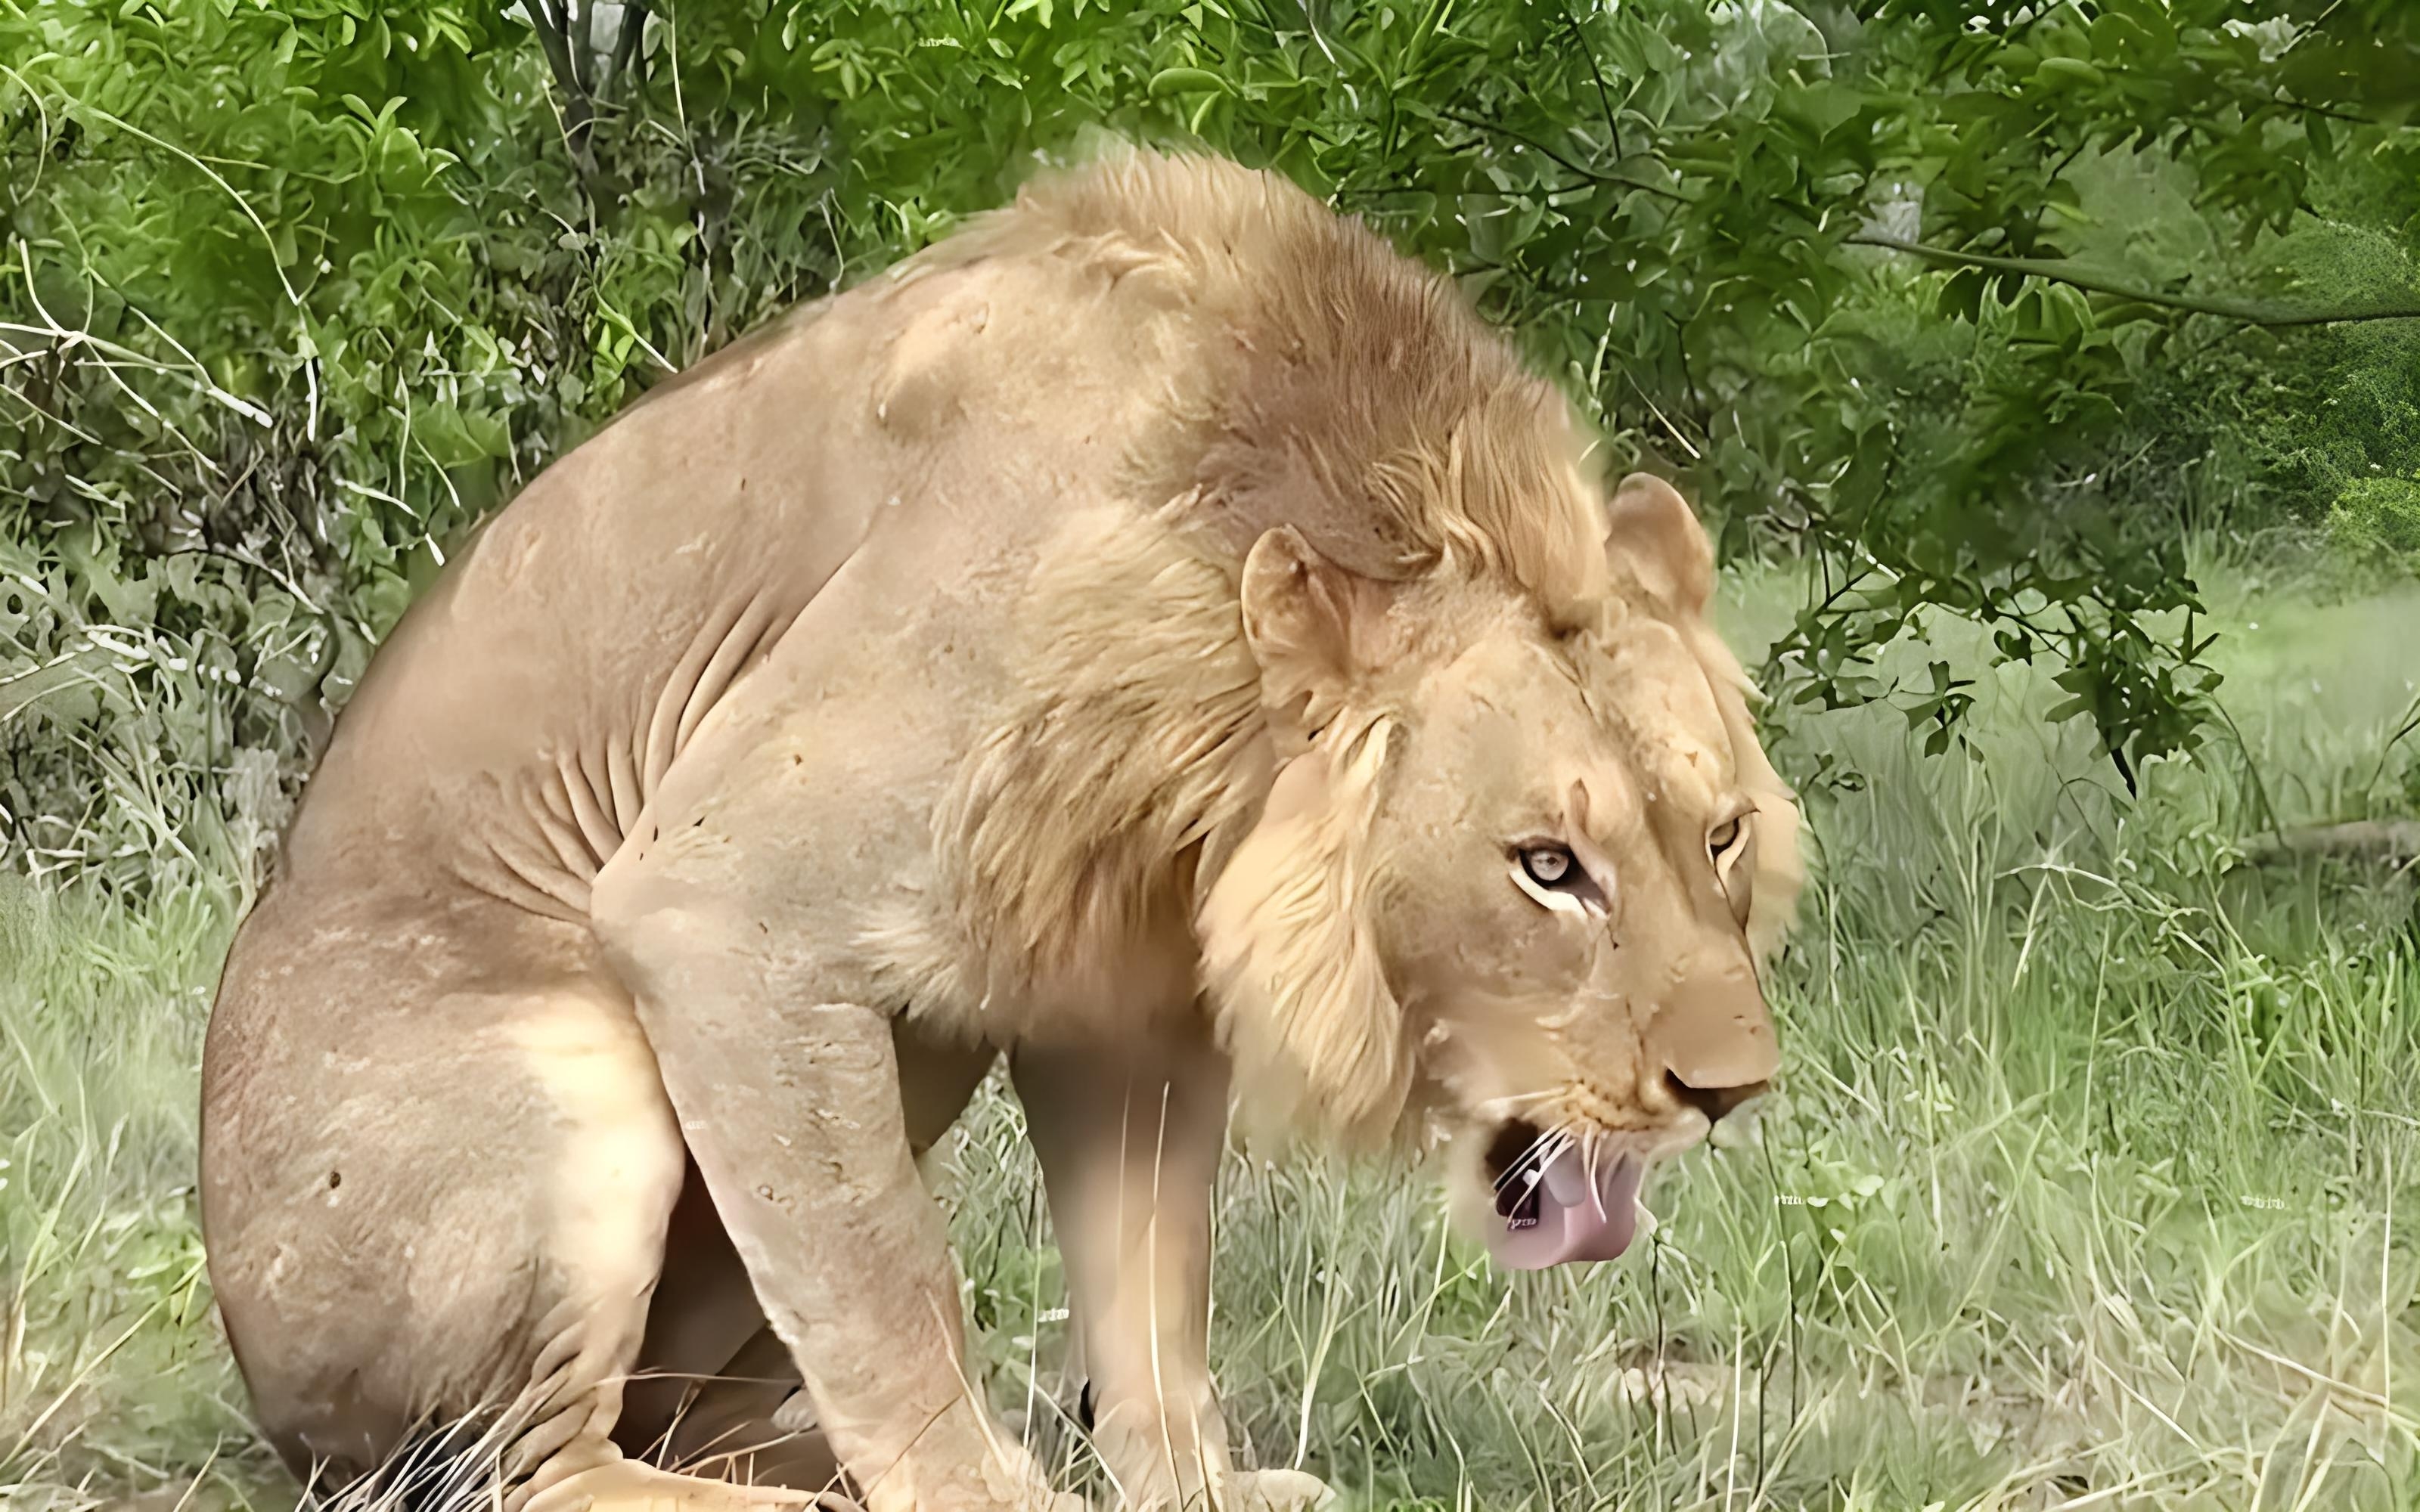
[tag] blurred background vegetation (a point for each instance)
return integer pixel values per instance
(2028, 358)
(294, 294)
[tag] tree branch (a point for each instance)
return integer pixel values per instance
(579, 36)
(1604, 102)
(2379, 840)
(2061, 272)
(552, 23)
(1593, 176)
(626, 41)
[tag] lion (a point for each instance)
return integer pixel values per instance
(1158, 635)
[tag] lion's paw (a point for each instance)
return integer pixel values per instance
(1016, 1480)
(1275, 1490)
(630, 1486)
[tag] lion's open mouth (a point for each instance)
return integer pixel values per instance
(1557, 1211)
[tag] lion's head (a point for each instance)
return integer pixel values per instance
(1521, 850)
(1516, 872)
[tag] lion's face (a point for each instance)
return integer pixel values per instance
(1539, 854)
(1565, 864)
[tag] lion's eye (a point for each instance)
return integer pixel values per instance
(1732, 846)
(1722, 837)
(1548, 866)
(1552, 875)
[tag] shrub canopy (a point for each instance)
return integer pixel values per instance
(1972, 305)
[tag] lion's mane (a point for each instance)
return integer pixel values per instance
(1315, 378)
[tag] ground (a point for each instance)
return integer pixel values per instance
(2094, 1183)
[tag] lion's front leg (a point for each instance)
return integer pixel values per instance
(1130, 1145)
(792, 1108)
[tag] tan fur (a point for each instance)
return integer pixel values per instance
(1136, 635)
(1349, 392)
(1779, 872)
(1353, 394)
(1058, 839)
(1304, 1007)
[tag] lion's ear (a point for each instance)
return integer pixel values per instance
(1654, 540)
(1316, 628)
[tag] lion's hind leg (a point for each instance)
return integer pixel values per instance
(436, 1192)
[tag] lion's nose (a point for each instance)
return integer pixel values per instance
(1714, 1102)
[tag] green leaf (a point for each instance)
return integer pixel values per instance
(2068, 72)
(1184, 80)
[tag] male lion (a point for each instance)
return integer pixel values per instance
(1160, 633)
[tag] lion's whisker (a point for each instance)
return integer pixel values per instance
(1510, 1102)
(1543, 1150)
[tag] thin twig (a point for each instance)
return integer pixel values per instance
(2061, 272)
(1612, 132)
(1597, 175)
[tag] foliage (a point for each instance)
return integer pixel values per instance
(294, 294)
(2378, 517)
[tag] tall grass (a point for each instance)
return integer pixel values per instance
(113, 1375)
(2094, 1179)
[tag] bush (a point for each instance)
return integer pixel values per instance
(292, 295)
(2378, 519)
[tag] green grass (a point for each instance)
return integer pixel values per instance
(2094, 1183)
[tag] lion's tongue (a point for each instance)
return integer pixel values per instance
(1573, 1218)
